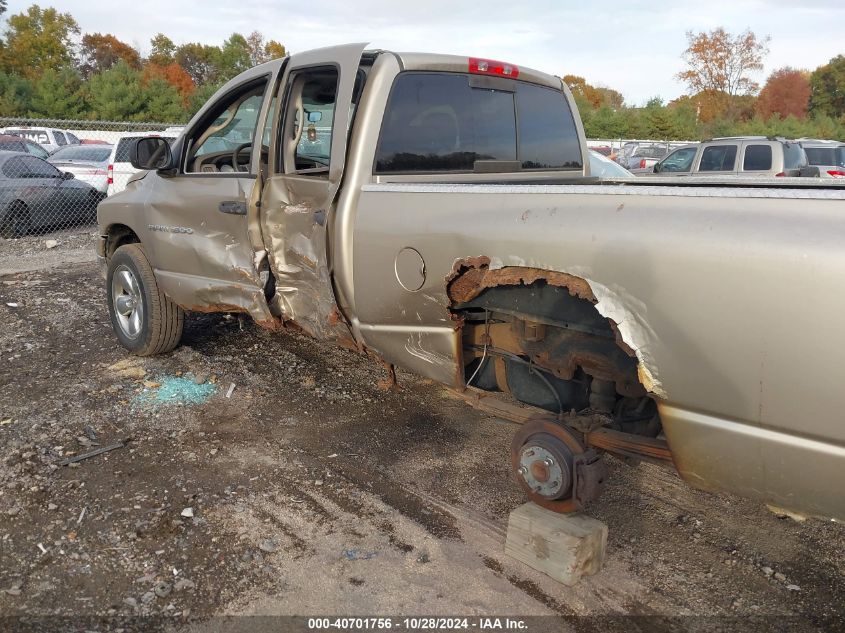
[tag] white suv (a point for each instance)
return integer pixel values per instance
(119, 169)
(49, 138)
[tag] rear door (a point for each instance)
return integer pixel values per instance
(758, 158)
(718, 159)
(317, 97)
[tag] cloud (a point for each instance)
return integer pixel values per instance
(633, 46)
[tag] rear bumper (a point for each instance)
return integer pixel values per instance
(795, 473)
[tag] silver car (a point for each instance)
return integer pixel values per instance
(88, 163)
(828, 156)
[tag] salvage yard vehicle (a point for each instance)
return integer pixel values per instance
(747, 156)
(34, 195)
(88, 163)
(449, 224)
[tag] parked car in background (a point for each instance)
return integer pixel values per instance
(738, 156)
(49, 138)
(35, 195)
(602, 167)
(644, 157)
(88, 163)
(9, 143)
(119, 167)
(828, 156)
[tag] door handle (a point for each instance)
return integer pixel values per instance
(232, 207)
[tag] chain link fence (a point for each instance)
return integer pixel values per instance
(53, 173)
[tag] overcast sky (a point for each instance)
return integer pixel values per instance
(633, 46)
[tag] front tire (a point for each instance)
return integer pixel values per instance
(17, 222)
(145, 321)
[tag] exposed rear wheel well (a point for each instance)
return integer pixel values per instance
(538, 336)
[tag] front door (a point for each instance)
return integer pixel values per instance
(318, 95)
(208, 257)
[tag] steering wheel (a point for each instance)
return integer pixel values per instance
(236, 154)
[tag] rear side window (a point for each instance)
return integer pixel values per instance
(793, 156)
(757, 158)
(60, 138)
(718, 158)
(438, 122)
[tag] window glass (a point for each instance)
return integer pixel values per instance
(232, 125)
(36, 150)
(60, 138)
(72, 138)
(793, 156)
(548, 138)
(821, 155)
(309, 120)
(680, 160)
(718, 158)
(11, 146)
(438, 122)
(757, 158)
(13, 168)
(92, 153)
(38, 168)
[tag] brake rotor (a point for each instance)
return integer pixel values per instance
(554, 468)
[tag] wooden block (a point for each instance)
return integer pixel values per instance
(563, 546)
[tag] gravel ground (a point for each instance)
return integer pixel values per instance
(307, 489)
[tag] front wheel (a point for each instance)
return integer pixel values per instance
(17, 222)
(145, 320)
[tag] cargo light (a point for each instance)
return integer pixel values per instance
(110, 174)
(492, 67)
(642, 163)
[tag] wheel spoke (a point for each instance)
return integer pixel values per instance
(125, 280)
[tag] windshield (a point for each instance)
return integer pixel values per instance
(98, 154)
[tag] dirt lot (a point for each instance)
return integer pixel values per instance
(309, 490)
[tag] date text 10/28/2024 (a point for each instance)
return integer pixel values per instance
(417, 624)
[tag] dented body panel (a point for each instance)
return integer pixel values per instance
(718, 302)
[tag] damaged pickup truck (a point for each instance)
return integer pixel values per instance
(437, 213)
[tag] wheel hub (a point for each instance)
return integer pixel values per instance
(127, 300)
(554, 468)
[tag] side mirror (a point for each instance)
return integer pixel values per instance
(66, 175)
(151, 152)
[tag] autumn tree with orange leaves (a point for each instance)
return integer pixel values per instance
(100, 52)
(720, 62)
(786, 93)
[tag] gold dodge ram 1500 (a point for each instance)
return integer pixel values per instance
(437, 213)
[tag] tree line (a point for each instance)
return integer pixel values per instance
(49, 69)
(723, 99)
